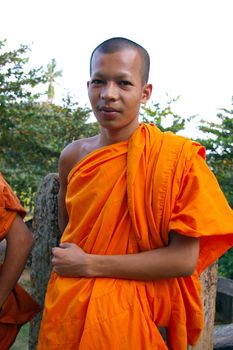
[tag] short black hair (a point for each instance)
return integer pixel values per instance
(118, 44)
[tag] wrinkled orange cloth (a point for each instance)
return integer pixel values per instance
(9, 207)
(19, 307)
(126, 198)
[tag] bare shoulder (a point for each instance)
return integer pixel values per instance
(76, 151)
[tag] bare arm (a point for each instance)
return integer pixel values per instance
(63, 169)
(19, 243)
(178, 259)
(62, 212)
(68, 158)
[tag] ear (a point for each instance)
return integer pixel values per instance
(146, 93)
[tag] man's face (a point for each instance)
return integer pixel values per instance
(116, 89)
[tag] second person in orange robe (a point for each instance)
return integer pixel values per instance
(16, 305)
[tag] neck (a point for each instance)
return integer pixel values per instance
(111, 136)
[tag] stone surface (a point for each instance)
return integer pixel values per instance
(2, 249)
(46, 234)
(223, 337)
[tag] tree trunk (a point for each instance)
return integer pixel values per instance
(46, 234)
(209, 286)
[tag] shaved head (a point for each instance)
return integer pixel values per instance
(120, 44)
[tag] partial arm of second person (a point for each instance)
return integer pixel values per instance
(19, 243)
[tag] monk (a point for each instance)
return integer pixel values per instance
(16, 305)
(142, 216)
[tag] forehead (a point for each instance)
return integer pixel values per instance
(126, 61)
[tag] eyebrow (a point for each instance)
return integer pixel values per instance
(122, 76)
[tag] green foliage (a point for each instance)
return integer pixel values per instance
(16, 81)
(225, 268)
(52, 74)
(16, 89)
(219, 147)
(163, 117)
(33, 144)
(32, 133)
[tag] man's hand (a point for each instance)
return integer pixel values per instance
(69, 260)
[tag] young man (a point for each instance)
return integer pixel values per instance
(142, 217)
(16, 306)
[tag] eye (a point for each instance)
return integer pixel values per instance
(97, 81)
(125, 83)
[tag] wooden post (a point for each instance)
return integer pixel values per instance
(46, 234)
(209, 286)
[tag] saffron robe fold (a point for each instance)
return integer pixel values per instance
(123, 199)
(19, 307)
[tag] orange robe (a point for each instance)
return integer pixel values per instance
(19, 307)
(122, 199)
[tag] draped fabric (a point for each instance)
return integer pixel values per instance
(123, 199)
(9, 207)
(19, 307)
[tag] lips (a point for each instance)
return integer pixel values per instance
(108, 113)
(108, 109)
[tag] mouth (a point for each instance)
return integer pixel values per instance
(107, 109)
(108, 113)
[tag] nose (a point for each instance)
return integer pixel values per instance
(109, 91)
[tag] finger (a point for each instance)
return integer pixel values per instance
(58, 250)
(53, 251)
(65, 245)
(53, 260)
